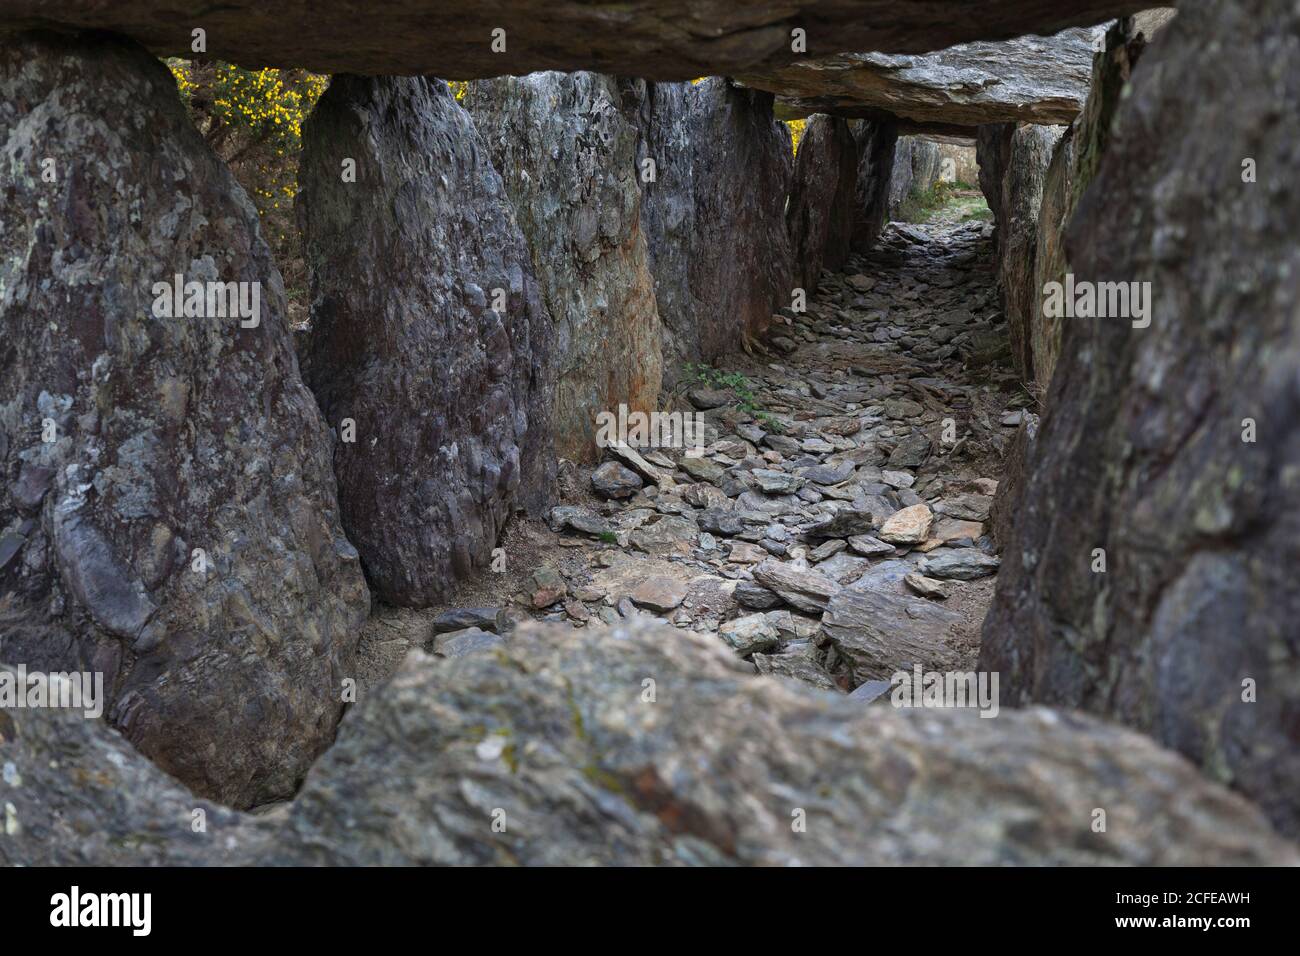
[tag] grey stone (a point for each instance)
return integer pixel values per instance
(878, 628)
(820, 214)
(1031, 79)
(566, 152)
(776, 482)
(659, 593)
(488, 618)
(176, 434)
(1200, 529)
(471, 640)
(830, 474)
(402, 268)
(741, 268)
(550, 730)
(579, 519)
(755, 596)
(748, 634)
(797, 666)
(800, 587)
(658, 39)
(868, 546)
(671, 534)
(612, 480)
(845, 523)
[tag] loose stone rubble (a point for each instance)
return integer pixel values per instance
(722, 620)
(863, 452)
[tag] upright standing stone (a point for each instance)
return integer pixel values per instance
(741, 268)
(877, 142)
(1174, 447)
(663, 112)
(916, 169)
(992, 153)
(1022, 199)
(429, 341)
(167, 487)
(1072, 170)
(567, 154)
(821, 212)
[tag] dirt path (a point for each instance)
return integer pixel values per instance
(848, 469)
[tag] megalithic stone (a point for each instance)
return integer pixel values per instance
(642, 745)
(429, 339)
(822, 211)
(167, 476)
(566, 151)
(741, 267)
(1171, 441)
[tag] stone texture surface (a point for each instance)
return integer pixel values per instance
(992, 153)
(957, 163)
(663, 114)
(1031, 79)
(916, 168)
(877, 627)
(712, 770)
(1072, 170)
(550, 736)
(567, 154)
(1027, 157)
(658, 39)
(1005, 510)
(1049, 263)
(74, 792)
(741, 267)
(822, 210)
(877, 142)
(173, 434)
(1141, 450)
(449, 396)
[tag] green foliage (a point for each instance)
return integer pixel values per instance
(952, 202)
(735, 383)
(252, 120)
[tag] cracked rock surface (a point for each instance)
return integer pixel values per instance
(638, 745)
(182, 522)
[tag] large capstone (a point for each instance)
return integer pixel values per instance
(1031, 79)
(1172, 435)
(166, 473)
(741, 268)
(659, 39)
(821, 214)
(566, 150)
(429, 342)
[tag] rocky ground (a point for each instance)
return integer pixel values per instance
(838, 511)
